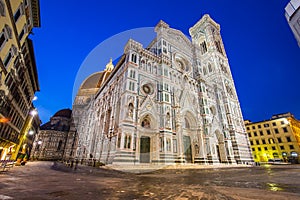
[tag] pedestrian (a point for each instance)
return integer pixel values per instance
(76, 164)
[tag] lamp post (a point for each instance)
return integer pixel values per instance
(25, 129)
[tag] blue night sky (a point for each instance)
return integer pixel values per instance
(262, 51)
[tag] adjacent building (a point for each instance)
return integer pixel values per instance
(276, 138)
(18, 72)
(292, 15)
(54, 138)
(171, 102)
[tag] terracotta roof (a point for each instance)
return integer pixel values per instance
(93, 81)
(63, 113)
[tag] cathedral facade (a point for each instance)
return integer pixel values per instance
(172, 102)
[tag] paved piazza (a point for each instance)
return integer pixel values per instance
(46, 180)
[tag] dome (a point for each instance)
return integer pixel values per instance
(92, 81)
(63, 113)
(95, 80)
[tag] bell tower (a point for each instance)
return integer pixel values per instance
(215, 70)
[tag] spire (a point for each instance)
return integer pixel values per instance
(109, 66)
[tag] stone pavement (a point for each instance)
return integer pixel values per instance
(46, 180)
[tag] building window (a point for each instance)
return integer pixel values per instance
(249, 134)
(18, 13)
(261, 133)
(162, 144)
(274, 124)
(291, 146)
(259, 149)
(288, 139)
(285, 129)
(271, 141)
(253, 127)
(276, 130)
(266, 125)
(282, 147)
(251, 142)
(127, 141)
(203, 48)
(268, 132)
(167, 97)
(257, 142)
(21, 34)
(263, 141)
(259, 126)
(255, 134)
(253, 149)
(279, 140)
(266, 148)
(273, 148)
(132, 74)
(248, 128)
(2, 8)
(7, 59)
(131, 86)
(2, 40)
(133, 58)
(218, 45)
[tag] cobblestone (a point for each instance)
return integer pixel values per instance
(46, 180)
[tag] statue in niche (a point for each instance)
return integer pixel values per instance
(130, 110)
(168, 120)
(196, 149)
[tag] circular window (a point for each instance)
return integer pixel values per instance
(147, 89)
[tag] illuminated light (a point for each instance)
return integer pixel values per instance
(4, 120)
(40, 142)
(285, 121)
(274, 187)
(31, 132)
(33, 112)
(34, 98)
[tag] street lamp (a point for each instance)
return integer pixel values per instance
(23, 132)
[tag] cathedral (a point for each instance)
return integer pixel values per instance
(171, 102)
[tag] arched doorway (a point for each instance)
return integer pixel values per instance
(145, 149)
(187, 149)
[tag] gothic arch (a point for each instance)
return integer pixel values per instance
(189, 120)
(148, 121)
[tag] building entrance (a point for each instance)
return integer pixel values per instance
(187, 148)
(145, 150)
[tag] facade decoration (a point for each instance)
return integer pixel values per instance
(172, 102)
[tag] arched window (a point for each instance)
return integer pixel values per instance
(186, 123)
(218, 45)
(209, 67)
(127, 141)
(133, 58)
(154, 69)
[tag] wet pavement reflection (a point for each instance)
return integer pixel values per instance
(43, 180)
